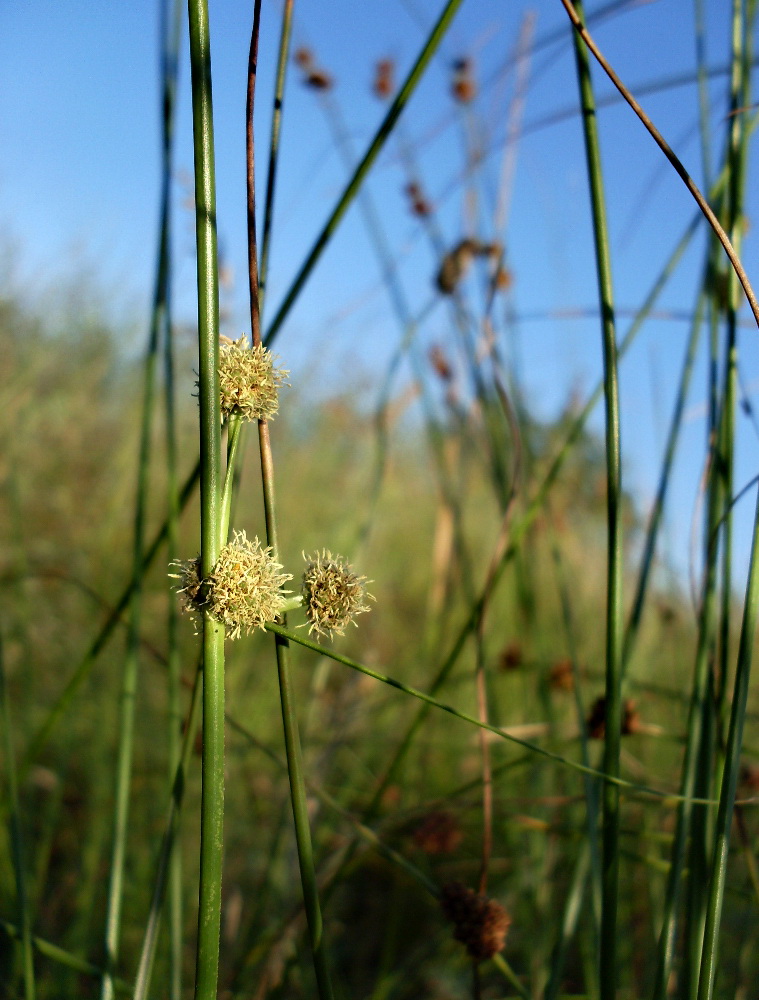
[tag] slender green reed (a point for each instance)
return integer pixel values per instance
(373, 151)
(165, 872)
(17, 838)
(129, 680)
(170, 33)
(465, 717)
(614, 609)
(730, 774)
(287, 697)
(276, 125)
(63, 957)
(212, 808)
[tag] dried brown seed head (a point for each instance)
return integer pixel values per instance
(481, 924)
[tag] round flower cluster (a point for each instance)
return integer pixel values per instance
(481, 924)
(244, 589)
(332, 593)
(248, 380)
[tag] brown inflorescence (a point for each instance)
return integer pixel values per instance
(384, 79)
(438, 833)
(510, 657)
(463, 86)
(420, 206)
(596, 720)
(562, 677)
(303, 57)
(481, 924)
(319, 79)
(440, 363)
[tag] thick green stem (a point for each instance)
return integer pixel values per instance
(212, 809)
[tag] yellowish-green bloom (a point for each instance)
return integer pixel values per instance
(244, 589)
(332, 593)
(249, 381)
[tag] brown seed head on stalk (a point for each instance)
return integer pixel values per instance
(479, 923)
(319, 79)
(384, 79)
(454, 265)
(440, 363)
(420, 206)
(503, 279)
(510, 657)
(438, 833)
(332, 593)
(596, 720)
(463, 86)
(562, 676)
(303, 57)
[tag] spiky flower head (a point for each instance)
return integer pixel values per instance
(249, 382)
(332, 593)
(244, 589)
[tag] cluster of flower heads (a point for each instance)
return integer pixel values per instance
(481, 924)
(332, 593)
(249, 381)
(244, 589)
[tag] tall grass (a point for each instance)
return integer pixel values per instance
(520, 775)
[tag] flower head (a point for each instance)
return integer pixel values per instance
(244, 589)
(332, 593)
(248, 380)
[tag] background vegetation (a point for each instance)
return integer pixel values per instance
(436, 486)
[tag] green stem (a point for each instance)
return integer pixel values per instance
(62, 957)
(17, 837)
(167, 854)
(212, 808)
(289, 715)
(354, 184)
(730, 774)
(614, 610)
(131, 662)
(170, 34)
(276, 125)
(503, 734)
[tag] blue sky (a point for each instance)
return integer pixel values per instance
(79, 174)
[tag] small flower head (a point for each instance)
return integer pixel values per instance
(244, 590)
(332, 593)
(481, 924)
(248, 380)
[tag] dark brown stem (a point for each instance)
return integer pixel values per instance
(661, 142)
(255, 314)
